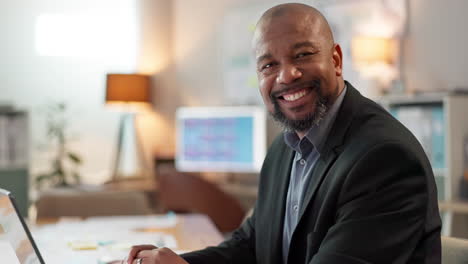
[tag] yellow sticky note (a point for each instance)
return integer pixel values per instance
(83, 245)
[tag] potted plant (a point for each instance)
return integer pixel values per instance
(65, 163)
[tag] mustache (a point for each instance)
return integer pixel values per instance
(314, 84)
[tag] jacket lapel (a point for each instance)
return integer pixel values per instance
(332, 145)
(318, 173)
(277, 221)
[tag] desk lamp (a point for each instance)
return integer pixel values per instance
(374, 57)
(130, 92)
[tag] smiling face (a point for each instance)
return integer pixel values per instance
(298, 67)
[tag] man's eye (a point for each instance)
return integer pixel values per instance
(266, 66)
(303, 54)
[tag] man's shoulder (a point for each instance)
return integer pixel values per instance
(373, 125)
(367, 115)
(378, 129)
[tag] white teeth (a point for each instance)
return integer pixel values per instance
(295, 96)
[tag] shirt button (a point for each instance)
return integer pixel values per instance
(302, 162)
(296, 208)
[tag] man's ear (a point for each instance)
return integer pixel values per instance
(337, 59)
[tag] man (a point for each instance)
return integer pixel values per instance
(346, 183)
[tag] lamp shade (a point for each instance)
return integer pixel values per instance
(127, 88)
(370, 50)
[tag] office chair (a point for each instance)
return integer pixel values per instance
(189, 193)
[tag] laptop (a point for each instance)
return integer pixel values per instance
(16, 243)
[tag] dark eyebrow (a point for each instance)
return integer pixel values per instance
(263, 57)
(303, 44)
(295, 46)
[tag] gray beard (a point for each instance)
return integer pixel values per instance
(303, 125)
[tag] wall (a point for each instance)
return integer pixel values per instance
(436, 54)
(155, 58)
(125, 36)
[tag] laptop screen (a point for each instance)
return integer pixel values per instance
(16, 244)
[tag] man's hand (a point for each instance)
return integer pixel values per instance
(149, 254)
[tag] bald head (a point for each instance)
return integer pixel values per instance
(299, 67)
(294, 14)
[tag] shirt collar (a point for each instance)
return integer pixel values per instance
(317, 135)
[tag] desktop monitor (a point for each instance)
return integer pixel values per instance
(220, 139)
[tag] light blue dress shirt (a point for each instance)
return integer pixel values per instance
(307, 152)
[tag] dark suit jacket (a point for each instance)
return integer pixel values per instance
(371, 199)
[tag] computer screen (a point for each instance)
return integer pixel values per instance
(220, 139)
(16, 244)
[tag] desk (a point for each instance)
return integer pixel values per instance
(460, 207)
(109, 238)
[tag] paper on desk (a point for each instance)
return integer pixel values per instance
(157, 221)
(112, 238)
(8, 253)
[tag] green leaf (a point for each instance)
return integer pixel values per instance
(74, 157)
(42, 177)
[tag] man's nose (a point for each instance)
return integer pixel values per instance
(288, 74)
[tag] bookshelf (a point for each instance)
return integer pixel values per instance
(14, 173)
(440, 122)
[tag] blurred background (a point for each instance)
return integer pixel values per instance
(60, 124)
